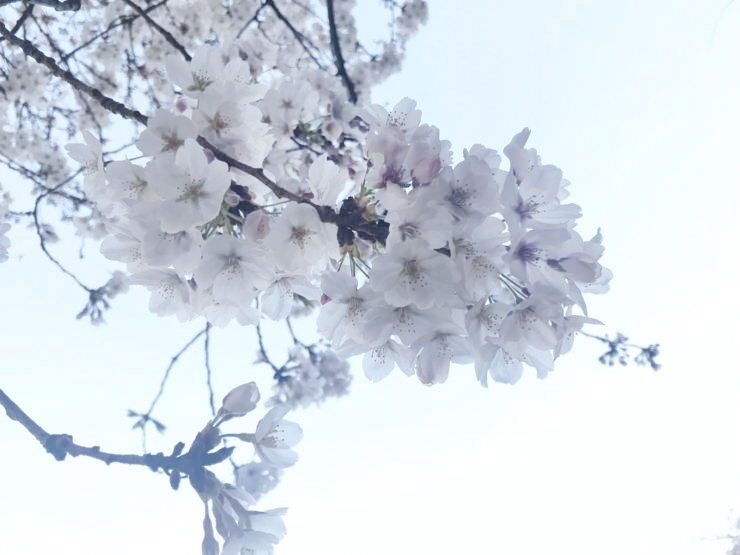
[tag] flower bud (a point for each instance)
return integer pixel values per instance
(240, 400)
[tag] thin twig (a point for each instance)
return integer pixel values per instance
(39, 232)
(162, 31)
(302, 40)
(296, 341)
(207, 352)
(22, 19)
(113, 24)
(263, 352)
(147, 415)
(251, 20)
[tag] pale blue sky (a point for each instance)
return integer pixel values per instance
(637, 102)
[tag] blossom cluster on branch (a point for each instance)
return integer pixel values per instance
(416, 263)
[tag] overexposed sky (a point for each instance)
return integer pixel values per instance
(637, 102)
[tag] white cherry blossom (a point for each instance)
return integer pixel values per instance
(192, 189)
(300, 241)
(278, 298)
(165, 133)
(275, 437)
(90, 155)
(170, 293)
(411, 272)
(196, 76)
(232, 270)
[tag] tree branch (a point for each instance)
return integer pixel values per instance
(60, 445)
(58, 5)
(337, 51)
(191, 463)
(21, 20)
(106, 102)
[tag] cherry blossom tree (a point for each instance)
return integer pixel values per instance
(228, 156)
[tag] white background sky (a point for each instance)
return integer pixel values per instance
(637, 102)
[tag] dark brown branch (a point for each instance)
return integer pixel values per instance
(162, 31)
(337, 51)
(257, 173)
(106, 102)
(21, 20)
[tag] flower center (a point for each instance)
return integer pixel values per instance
(298, 236)
(192, 192)
(412, 270)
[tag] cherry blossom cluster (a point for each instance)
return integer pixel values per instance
(416, 263)
(312, 374)
(481, 264)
